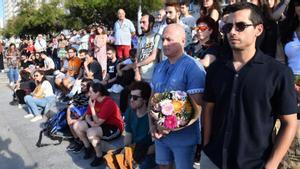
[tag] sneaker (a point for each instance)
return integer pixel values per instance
(197, 163)
(88, 152)
(78, 148)
(71, 146)
(21, 106)
(11, 84)
(28, 116)
(14, 103)
(97, 161)
(36, 118)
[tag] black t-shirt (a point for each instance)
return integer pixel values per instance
(112, 68)
(212, 49)
(24, 64)
(39, 63)
(246, 104)
(95, 67)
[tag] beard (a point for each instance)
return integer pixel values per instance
(146, 31)
(170, 21)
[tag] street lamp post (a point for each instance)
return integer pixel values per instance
(139, 17)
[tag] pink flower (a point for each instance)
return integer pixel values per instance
(170, 122)
(167, 108)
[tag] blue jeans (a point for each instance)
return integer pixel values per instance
(13, 75)
(181, 156)
(35, 104)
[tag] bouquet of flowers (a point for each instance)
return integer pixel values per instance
(172, 110)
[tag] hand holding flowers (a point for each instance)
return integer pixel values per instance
(171, 110)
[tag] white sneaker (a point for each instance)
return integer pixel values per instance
(11, 84)
(28, 116)
(21, 106)
(36, 118)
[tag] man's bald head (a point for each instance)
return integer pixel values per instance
(176, 29)
(173, 40)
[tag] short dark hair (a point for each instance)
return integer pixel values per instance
(83, 51)
(144, 87)
(112, 48)
(72, 48)
(132, 52)
(256, 16)
(151, 20)
(185, 2)
(98, 87)
(173, 4)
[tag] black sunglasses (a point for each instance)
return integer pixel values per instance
(134, 97)
(239, 26)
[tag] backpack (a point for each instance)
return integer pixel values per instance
(56, 127)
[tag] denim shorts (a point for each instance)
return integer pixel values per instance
(181, 156)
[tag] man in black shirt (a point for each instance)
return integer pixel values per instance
(112, 62)
(92, 68)
(245, 94)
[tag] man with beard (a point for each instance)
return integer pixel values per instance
(147, 50)
(172, 16)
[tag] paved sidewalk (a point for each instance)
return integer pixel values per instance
(18, 137)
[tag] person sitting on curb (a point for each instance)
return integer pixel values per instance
(79, 102)
(42, 97)
(103, 121)
(137, 125)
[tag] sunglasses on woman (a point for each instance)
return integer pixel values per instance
(239, 26)
(201, 28)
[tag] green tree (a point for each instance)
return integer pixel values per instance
(32, 20)
(49, 17)
(105, 11)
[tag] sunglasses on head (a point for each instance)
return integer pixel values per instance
(201, 28)
(134, 97)
(239, 26)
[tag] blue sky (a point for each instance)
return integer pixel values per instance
(1, 8)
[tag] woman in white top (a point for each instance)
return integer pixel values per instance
(41, 98)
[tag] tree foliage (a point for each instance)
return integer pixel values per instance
(105, 11)
(49, 17)
(32, 20)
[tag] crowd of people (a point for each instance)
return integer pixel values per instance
(239, 65)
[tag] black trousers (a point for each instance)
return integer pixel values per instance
(1, 61)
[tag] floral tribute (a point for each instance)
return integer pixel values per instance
(173, 110)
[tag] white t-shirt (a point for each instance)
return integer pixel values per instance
(47, 88)
(146, 45)
(188, 20)
(84, 40)
(49, 64)
(123, 32)
(292, 51)
(40, 45)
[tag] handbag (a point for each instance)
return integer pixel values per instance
(38, 92)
